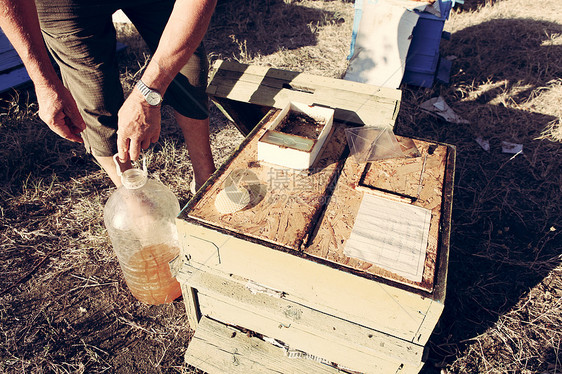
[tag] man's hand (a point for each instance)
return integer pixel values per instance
(18, 20)
(58, 110)
(139, 123)
(139, 126)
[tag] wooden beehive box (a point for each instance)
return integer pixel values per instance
(289, 245)
(273, 281)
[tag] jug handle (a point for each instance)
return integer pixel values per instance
(118, 165)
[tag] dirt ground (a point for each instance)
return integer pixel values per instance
(64, 306)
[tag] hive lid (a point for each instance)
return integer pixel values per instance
(285, 204)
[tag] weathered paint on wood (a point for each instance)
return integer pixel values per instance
(383, 307)
(343, 355)
(238, 301)
(13, 79)
(353, 102)
(191, 302)
(216, 348)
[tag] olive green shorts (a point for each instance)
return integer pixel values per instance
(81, 38)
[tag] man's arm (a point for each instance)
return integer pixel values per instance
(139, 124)
(184, 31)
(18, 20)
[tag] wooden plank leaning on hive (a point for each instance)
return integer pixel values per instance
(245, 93)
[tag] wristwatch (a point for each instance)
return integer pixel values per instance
(152, 97)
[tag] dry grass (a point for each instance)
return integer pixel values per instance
(64, 307)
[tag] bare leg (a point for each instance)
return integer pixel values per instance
(109, 166)
(196, 134)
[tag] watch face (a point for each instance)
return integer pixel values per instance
(153, 98)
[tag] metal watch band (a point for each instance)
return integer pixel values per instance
(147, 91)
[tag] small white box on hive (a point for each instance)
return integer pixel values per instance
(296, 136)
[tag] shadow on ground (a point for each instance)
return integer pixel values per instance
(507, 208)
(254, 28)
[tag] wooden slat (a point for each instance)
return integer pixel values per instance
(440, 288)
(9, 60)
(191, 303)
(12, 71)
(229, 299)
(353, 102)
(301, 81)
(368, 110)
(353, 360)
(216, 348)
(189, 294)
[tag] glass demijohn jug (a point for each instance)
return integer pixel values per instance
(140, 220)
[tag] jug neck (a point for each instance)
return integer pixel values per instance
(133, 179)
